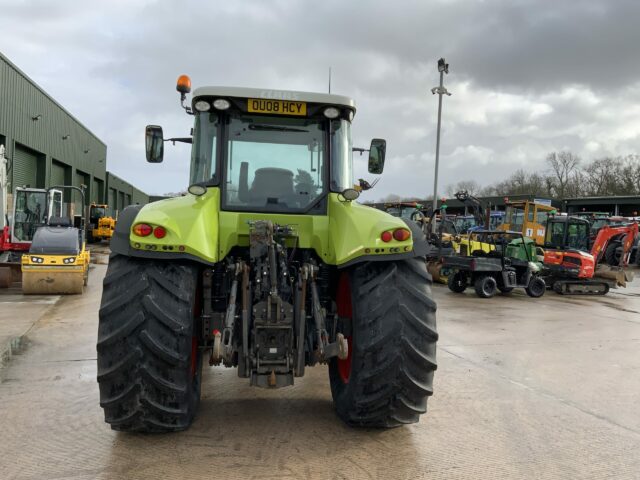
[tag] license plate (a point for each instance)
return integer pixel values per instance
(277, 107)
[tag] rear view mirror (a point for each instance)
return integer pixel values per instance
(154, 143)
(376, 155)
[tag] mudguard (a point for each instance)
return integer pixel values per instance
(198, 230)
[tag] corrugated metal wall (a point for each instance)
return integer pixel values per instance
(24, 167)
(46, 144)
(57, 176)
(122, 194)
(30, 118)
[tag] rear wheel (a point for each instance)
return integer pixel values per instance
(149, 364)
(485, 286)
(388, 375)
(536, 288)
(457, 282)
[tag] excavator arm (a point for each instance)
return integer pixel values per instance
(606, 233)
(477, 209)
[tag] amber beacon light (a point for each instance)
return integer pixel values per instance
(183, 85)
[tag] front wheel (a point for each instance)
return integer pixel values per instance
(536, 288)
(149, 363)
(388, 375)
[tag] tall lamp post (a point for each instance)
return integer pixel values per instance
(443, 68)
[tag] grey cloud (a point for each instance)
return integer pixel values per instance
(114, 66)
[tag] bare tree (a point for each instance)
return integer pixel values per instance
(563, 168)
(471, 186)
(630, 171)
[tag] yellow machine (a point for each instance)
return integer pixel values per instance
(57, 261)
(101, 226)
(464, 246)
(527, 217)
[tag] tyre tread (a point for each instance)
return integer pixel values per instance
(395, 370)
(144, 345)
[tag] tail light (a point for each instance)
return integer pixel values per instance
(401, 234)
(142, 229)
(159, 232)
(386, 236)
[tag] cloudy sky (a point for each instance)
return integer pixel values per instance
(527, 77)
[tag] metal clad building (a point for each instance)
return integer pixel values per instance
(121, 194)
(47, 146)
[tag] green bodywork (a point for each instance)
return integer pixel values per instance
(196, 226)
(523, 249)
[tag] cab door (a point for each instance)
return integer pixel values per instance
(55, 204)
(535, 222)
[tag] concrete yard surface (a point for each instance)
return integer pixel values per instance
(526, 389)
(18, 314)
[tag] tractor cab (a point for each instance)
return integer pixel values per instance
(96, 212)
(271, 151)
(32, 207)
(527, 217)
(567, 233)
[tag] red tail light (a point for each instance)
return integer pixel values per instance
(142, 229)
(386, 236)
(159, 232)
(401, 234)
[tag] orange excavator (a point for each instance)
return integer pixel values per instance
(574, 269)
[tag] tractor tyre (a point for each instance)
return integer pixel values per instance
(149, 363)
(457, 282)
(536, 288)
(485, 286)
(388, 374)
(611, 254)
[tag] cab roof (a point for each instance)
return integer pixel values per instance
(291, 95)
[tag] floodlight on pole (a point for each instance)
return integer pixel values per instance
(443, 67)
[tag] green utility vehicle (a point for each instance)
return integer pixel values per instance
(510, 263)
(267, 266)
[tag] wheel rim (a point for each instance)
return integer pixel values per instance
(343, 301)
(489, 288)
(537, 287)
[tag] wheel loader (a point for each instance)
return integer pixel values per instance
(101, 225)
(268, 266)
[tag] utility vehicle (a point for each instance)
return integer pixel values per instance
(511, 263)
(268, 266)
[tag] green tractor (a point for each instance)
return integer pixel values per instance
(267, 266)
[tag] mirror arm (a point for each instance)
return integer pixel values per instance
(179, 139)
(360, 150)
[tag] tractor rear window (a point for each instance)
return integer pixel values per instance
(274, 164)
